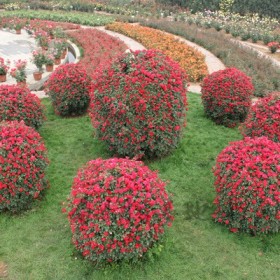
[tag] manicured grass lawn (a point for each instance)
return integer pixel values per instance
(37, 245)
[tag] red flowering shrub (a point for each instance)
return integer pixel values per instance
(248, 186)
(68, 88)
(118, 209)
(264, 118)
(22, 166)
(17, 103)
(226, 96)
(138, 105)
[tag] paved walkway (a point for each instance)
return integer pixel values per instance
(254, 47)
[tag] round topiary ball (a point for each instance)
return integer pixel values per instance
(23, 162)
(118, 210)
(138, 105)
(248, 186)
(17, 103)
(264, 118)
(68, 87)
(226, 96)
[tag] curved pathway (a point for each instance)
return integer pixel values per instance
(254, 47)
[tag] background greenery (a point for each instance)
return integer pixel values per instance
(37, 244)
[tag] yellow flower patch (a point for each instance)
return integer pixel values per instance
(191, 60)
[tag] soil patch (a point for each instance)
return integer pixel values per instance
(3, 270)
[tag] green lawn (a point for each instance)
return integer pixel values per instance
(37, 245)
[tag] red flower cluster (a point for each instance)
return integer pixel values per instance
(118, 209)
(49, 26)
(68, 87)
(99, 49)
(264, 118)
(226, 96)
(17, 103)
(22, 166)
(248, 186)
(138, 105)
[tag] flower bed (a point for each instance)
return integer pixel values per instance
(99, 49)
(246, 27)
(118, 210)
(188, 58)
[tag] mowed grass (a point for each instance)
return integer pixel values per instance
(37, 244)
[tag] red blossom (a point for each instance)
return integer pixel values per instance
(68, 87)
(226, 96)
(248, 186)
(17, 103)
(130, 109)
(110, 213)
(22, 166)
(264, 118)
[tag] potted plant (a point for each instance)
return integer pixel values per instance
(273, 46)
(50, 30)
(16, 24)
(57, 51)
(49, 61)
(19, 71)
(39, 60)
(42, 39)
(3, 70)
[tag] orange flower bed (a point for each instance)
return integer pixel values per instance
(191, 60)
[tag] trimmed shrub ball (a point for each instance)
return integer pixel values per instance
(68, 88)
(23, 162)
(138, 105)
(248, 186)
(17, 103)
(226, 96)
(118, 210)
(264, 118)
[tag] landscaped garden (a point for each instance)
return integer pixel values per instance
(121, 173)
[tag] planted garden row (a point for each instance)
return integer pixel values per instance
(191, 60)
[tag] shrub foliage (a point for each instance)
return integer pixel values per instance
(264, 118)
(23, 162)
(17, 103)
(118, 209)
(247, 186)
(138, 105)
(226, 96)
(68, 87)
